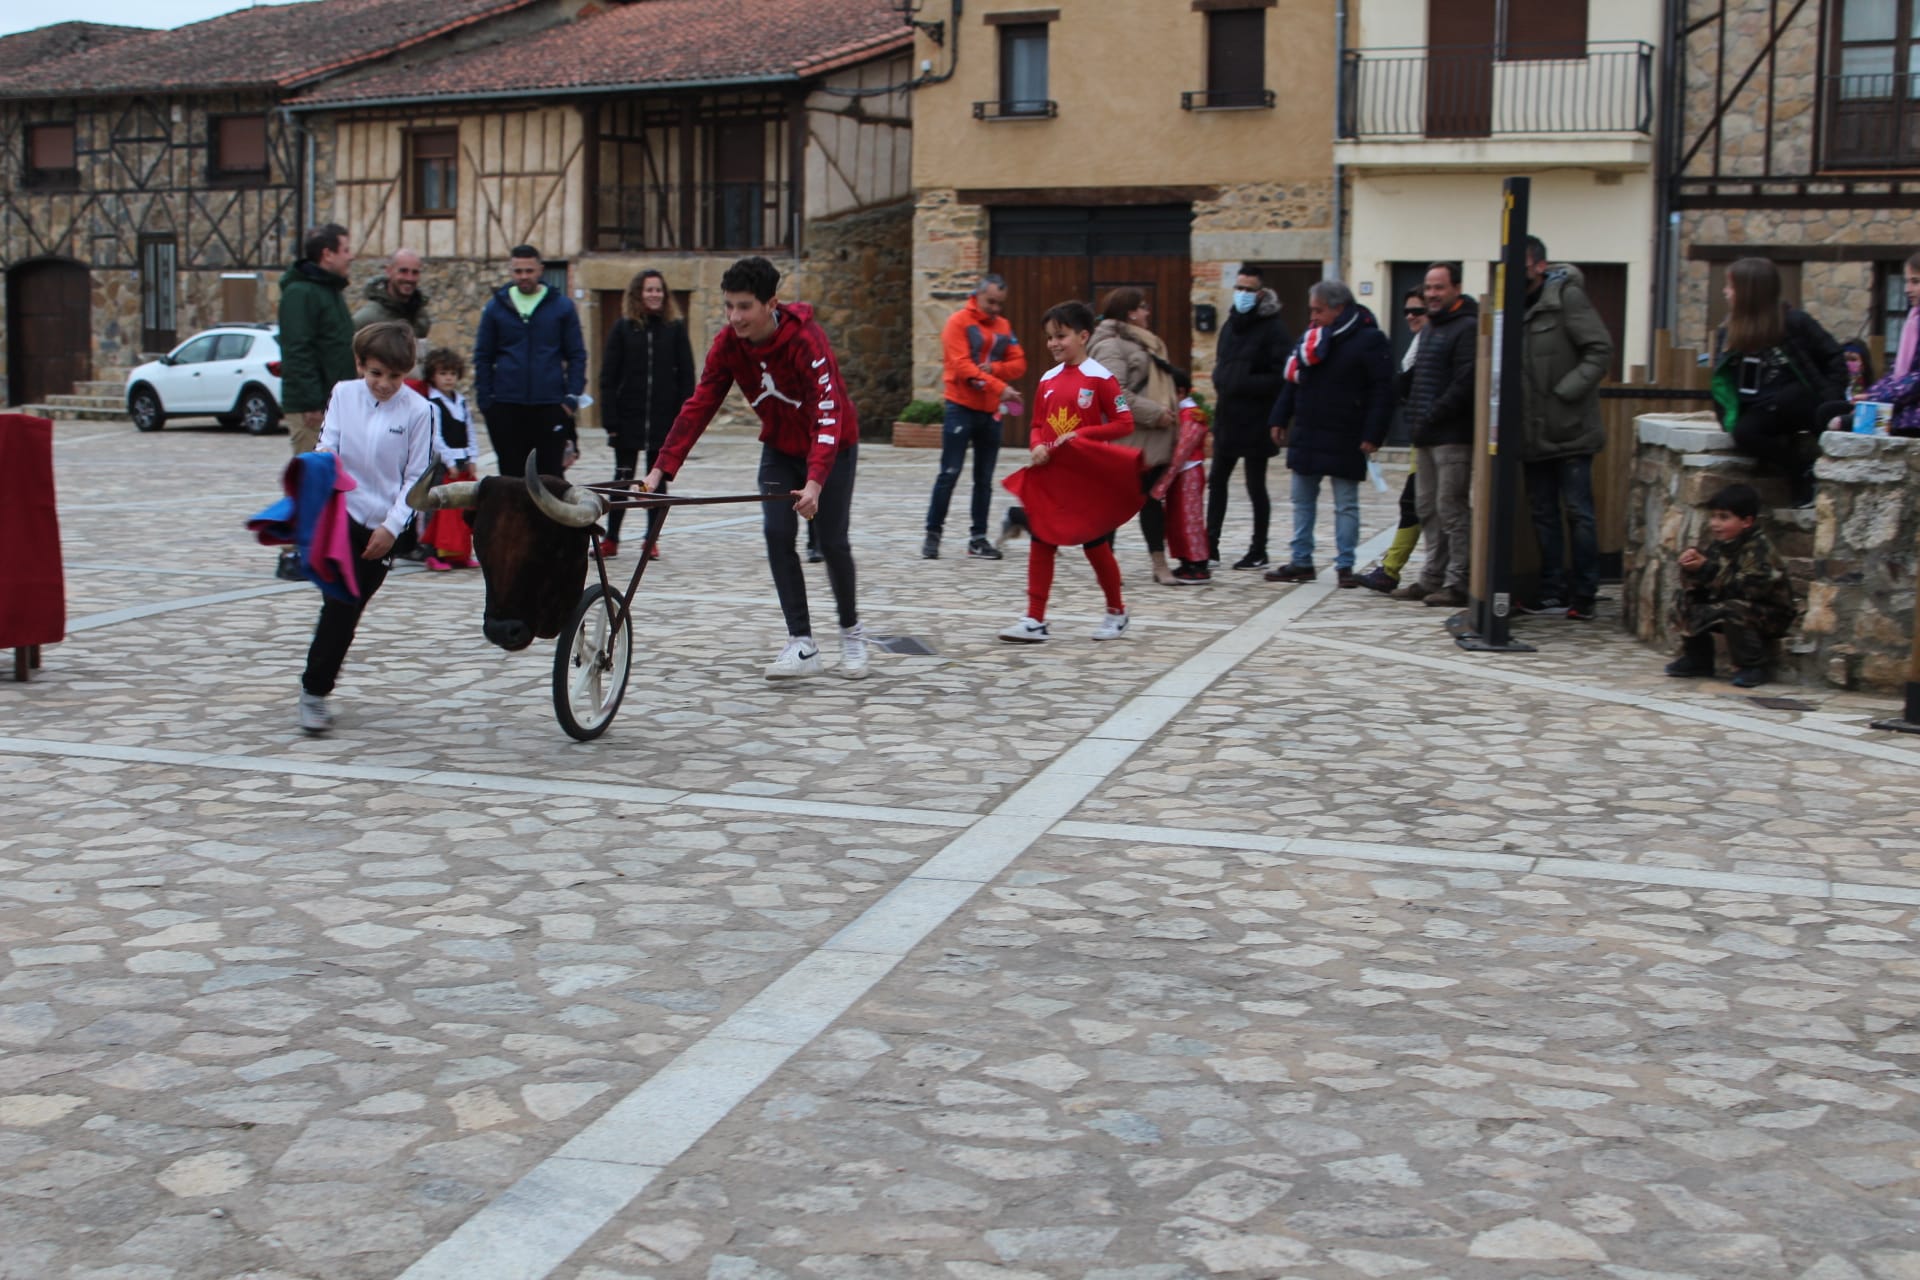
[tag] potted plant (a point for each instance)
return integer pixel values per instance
(918, 426)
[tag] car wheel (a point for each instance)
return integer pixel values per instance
(144, 404)
(257, 411)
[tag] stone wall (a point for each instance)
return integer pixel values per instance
(1838, 294)
(1853, 555)
(1253, 222)
(950, 251)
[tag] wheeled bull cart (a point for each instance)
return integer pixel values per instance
(594, 651)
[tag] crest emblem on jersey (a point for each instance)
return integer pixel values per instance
(1086, 397)
(1119, 402)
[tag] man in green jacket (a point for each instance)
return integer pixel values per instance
(1567, 351)
(397, 296)
(316, 332)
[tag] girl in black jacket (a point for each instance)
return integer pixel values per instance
(1777, 367)
(646, 374)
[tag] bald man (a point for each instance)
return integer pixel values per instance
(396, 296)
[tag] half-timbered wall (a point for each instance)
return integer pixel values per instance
(694, 173)
(145, 170)
(520, 181)
(1762, 166)
(859, 149)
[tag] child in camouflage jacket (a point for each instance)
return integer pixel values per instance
(1738, 587)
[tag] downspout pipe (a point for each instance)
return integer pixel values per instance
(1337, 269)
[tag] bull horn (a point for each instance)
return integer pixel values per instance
(576, 508)
(433, 475)
(450, 497)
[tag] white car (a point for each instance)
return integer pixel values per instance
(231, 373)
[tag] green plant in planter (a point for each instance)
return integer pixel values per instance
(922, 412)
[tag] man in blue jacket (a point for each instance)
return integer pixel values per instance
(529, 368)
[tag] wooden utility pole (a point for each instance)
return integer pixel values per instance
(1486, 626)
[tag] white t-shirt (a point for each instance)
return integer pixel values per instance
(385, 445)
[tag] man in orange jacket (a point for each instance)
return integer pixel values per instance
(981, 360)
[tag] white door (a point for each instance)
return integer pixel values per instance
(183, 384)
(227, 372)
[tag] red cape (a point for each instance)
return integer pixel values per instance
(1087, 490)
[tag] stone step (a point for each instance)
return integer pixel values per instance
(118, 414)
(87, 402)
(115, 387)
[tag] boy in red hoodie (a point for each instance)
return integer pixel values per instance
(809, 435)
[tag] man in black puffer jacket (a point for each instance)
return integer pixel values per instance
(1247, 367)
(1440, 411)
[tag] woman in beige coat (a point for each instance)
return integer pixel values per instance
(1136, 356)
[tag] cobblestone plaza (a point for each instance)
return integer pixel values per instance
(1279, 938)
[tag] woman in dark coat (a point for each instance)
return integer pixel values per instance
(1777, 367)
(646, 374)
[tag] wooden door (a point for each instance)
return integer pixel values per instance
(49, 330)
(1035, 284)
(1606, 285)
(159, 293)
(1460, 50)
(739, 187)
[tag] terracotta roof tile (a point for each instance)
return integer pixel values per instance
(648, 42)
(28, 49)
(268, 46)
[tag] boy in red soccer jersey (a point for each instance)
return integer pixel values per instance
(1097, 490)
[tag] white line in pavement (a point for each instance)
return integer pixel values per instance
(400, 775)
(134, 612)
(1483, 670)
(1507, 863)
(541, 1220)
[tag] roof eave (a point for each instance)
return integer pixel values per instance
(312, 74)
(547, 91)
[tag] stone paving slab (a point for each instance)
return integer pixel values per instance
(1313, 741)
(1142, 1063)
(313, 1002)
(285, 1009)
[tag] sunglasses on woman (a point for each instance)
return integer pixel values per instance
(1416, 311)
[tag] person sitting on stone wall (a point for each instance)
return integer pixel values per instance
(1901, 387)
(1738, 586)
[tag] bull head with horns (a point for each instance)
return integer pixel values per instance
(531, 535)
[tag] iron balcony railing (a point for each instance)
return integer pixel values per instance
(704, 216)
(1487, 91)
(1016, 109)
(1227, 99)
(1872, 121)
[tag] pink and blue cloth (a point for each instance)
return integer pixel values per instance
(312, 518)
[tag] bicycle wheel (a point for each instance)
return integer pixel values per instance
(590, 665)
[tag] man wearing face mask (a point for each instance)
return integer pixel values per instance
(1248, 371)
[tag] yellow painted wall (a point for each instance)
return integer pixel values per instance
(1117, 69)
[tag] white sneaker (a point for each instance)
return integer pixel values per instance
(1112, 627)
(853, 652)
(314, 716)
(800, 658)
(1026, 631)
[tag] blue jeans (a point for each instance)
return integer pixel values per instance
(961, 428)
(1550, 485)
(1346, 518)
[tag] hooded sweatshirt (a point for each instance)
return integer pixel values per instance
(792, 381)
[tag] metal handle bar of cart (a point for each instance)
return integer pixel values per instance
(622, 497)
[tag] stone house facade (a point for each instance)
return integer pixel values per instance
(639, 136)
(1790, 138)
(1078, 147)
(151, 183)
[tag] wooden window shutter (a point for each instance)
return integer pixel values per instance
(50, 147)
(1236, 57)
(1545, 29)
(240, 144)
